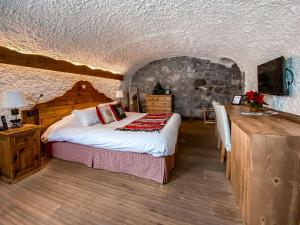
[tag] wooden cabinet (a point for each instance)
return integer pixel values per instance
(159, 103)
(265, 167)
(19, 152)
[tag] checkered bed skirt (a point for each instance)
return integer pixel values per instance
(137, 164)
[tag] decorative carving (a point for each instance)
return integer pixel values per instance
(77, 97)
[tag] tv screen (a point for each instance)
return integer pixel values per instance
(272, 77)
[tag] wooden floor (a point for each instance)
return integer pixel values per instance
(70, 193)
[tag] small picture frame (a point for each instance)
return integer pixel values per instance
(236, 100)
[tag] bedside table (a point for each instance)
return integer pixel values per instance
(19, 152)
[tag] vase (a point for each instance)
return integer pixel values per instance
(253, 109)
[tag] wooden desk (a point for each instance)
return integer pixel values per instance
(265, 167)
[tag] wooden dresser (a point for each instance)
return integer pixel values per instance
(265, 167)
(159, 103)
(19, 152)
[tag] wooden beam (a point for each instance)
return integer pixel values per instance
(12, 57)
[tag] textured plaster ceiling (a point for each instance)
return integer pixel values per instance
(122, 36)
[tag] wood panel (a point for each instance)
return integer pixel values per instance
(265, 168)
(69, 193)
(8, 56)
(274, 180)
(81, 95)
(240, 166)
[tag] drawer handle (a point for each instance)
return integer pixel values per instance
(22, 149)
(15, 158)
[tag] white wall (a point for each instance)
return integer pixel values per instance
(289, 103)
(51, 84)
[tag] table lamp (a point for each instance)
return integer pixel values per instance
(120, 94)
(14, 100)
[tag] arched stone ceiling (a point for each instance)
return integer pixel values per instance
(122, 36)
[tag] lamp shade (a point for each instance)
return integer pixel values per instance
(14, 99)
(120, 94)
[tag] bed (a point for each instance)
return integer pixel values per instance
(149, 155)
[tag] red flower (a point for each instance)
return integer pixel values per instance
(251, 95)
(259, 99)
(255, 99)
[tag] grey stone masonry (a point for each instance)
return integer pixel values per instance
(194, 82)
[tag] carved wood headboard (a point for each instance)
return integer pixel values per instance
(82, 95)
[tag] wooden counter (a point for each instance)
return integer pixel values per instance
(268, 125)
(265, 167)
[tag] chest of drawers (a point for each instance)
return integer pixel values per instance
(159, 103)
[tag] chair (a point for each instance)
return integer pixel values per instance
(206, 112)
(215, 103)
(224, 132)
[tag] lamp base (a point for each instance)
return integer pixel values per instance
(16, 123)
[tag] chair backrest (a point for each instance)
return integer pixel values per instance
(223, 126)
(214, 103)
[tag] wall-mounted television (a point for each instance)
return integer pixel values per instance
(272, 77)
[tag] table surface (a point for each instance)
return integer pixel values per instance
(25, 127)
(262, 124)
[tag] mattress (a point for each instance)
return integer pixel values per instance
(104, 136)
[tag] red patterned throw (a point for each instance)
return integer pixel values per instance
(148, 123)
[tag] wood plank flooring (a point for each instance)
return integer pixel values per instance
(70, 193)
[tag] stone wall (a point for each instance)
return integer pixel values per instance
(194, 82)
(51, 84)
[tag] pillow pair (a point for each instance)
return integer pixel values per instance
(111, 112)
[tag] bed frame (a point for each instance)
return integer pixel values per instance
(81, 95)
(84, 95)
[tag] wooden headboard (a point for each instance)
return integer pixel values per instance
(82, 95)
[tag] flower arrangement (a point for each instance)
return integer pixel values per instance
(255, 100)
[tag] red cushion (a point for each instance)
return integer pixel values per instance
(118, 111)
(100, 115)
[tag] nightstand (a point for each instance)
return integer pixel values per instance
(19, 152)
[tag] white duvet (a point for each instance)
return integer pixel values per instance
(106, 137)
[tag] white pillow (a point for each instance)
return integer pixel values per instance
(87, 116)
(72, 120)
